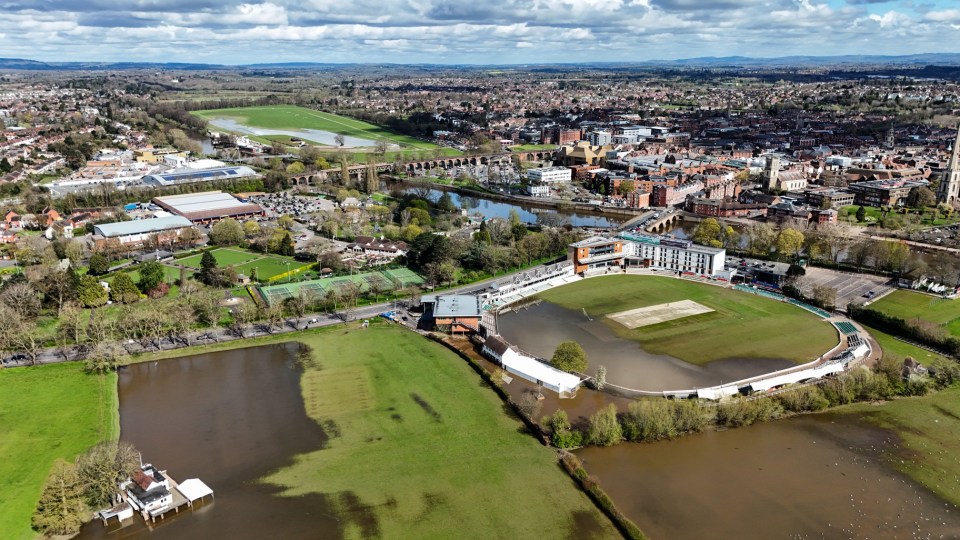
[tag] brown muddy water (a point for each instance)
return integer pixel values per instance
(228, 418)
(540, 328)
(810, 477)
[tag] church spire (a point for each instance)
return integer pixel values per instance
(949, 191)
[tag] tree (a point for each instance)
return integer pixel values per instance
(708, 233)
(99, 264)
(569, 356)
(921, 197)
(372, 178)
(605, 430)
(227, 232)
(296, 168)
(627, 187)
(824, 296)
(90, 293)
(380, 148)
(285, 222)
(61, 510)
(286, 246)
(103, 467)
(861, 214)
(208, 268)
(21, 298)
(789, 243)
(105, 356)
(251, 228)
(339, 139)
(600, 380)
(243, 315)
(151, 276)
(123, 289)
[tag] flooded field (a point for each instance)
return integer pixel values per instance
(214, 417)
(539, 329)
(315, 135)
(803, 478)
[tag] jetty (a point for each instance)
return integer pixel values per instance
(153, 494)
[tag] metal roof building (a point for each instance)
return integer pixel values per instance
(141, 226)
(208, 206)
(186, 176)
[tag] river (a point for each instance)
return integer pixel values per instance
(228, 418)
(477, 205)
(539, 329)
(817, 476)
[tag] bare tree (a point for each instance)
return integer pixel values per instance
(339, 139)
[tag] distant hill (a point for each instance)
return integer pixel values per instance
(918, 60)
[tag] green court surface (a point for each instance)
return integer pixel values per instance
(368, 282)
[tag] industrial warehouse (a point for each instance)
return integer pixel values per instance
(208, 206)
(196, 174)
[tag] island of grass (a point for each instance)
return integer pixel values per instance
(909, 305)
(741, 325)
(295, 119)
(47, 413)
(425, 447)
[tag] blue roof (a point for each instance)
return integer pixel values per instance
(141, 226)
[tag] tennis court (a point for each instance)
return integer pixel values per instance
(369, 282)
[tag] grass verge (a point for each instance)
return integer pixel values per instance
(49, 412)
(913, 305)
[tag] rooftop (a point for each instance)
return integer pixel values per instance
(455, 305)
(206, 205)
(141, 226)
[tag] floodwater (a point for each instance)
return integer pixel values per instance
(816, 476)
(315, 135)
(528, 214)
(228, 418)
(539, 329)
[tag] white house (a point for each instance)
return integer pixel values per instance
(149, 489)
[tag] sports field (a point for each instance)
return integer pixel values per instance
(224, 257)
(293, 117)
(912, 305)
(425, 448)
(47, 413)
(740, 326)
(244, 262)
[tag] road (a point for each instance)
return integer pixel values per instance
(260, 329)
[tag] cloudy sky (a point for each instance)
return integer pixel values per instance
(468, 31)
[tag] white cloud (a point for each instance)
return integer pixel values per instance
(494, 31)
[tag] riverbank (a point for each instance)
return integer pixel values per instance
(48, 413)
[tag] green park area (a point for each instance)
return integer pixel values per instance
(424, 449)
(741, 325)
(244, 262)
(910, 305)
(47, 413)
(281, 117)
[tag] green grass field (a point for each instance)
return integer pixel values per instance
(912, 305)
(47, 413)
(741, 326)
(426, 448)
(929, 429)
(293, 117)
(224, 257)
